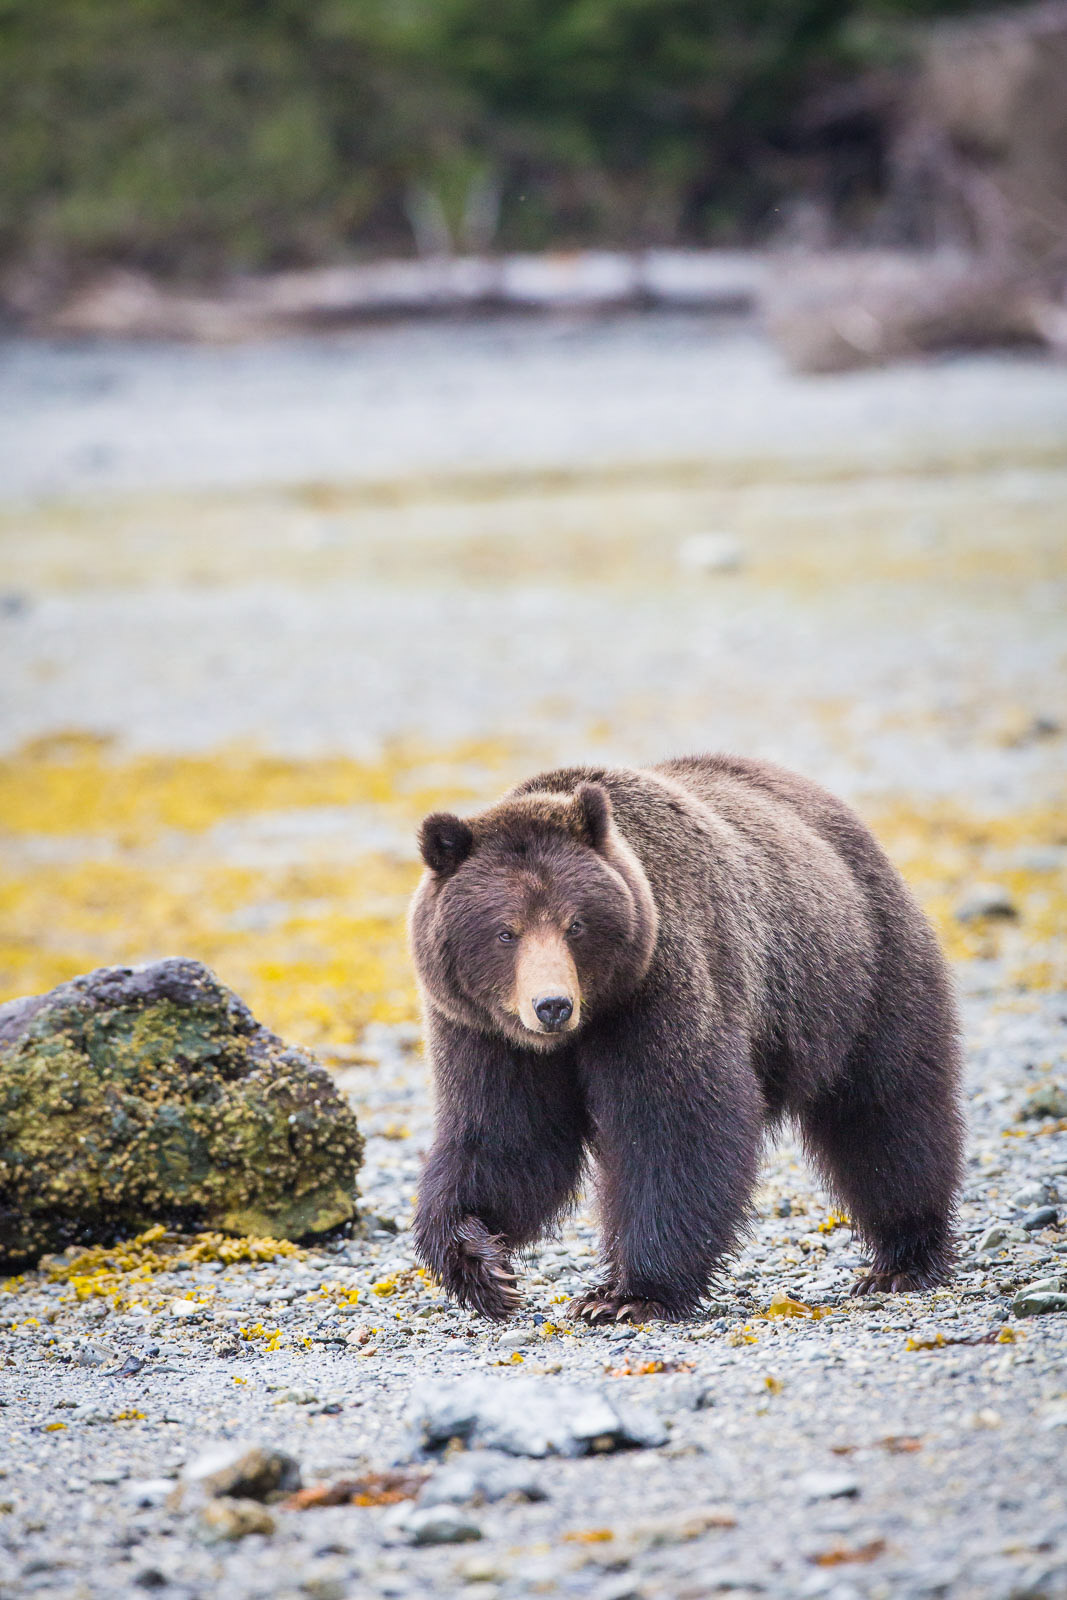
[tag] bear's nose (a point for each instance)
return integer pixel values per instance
(553, 1011)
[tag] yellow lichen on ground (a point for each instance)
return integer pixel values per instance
(966, 518)
(69, 784)
(944, 851)
(113, 860)
(120, 860)
(312, 976)
(122, 1273)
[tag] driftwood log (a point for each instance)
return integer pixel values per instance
(843, 310)
(131, 305)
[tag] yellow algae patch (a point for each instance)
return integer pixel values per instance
(944, 850)
(313, 979)
(68, 783)
(783, 1305)
(109, 859)
(118, 861)
(271, 1339)
(122, 1271)
(946, 518)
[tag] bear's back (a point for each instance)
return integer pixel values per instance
(744, 832)
(765, 883)
(735, 865)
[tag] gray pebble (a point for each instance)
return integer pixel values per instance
(985, 900)
(1043, 1217)
(146, 1492)
(481, 1475)
(828, 1485)
(90, 1354)
(422, 1525)
(999, 1234)
(1047, 1100)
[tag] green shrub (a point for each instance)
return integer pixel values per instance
(196, 136)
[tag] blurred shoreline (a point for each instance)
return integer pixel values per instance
(461, 403)
(827, 310)
(125, 304)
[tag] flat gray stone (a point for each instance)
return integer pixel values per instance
(1038, 1298)
(524, 1417)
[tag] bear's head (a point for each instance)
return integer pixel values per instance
(532, 917)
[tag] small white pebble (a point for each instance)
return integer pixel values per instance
(710, 553)
(185, 1308)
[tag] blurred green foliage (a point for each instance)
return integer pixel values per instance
(194, 136)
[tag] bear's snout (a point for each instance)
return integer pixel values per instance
(547, 992)
(553, 1011)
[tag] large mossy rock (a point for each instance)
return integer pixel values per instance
(151, 1094)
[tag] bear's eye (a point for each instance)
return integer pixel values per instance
(507, 936)
(576, 927)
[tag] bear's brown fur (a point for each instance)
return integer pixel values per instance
(646, 967)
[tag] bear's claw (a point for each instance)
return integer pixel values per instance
(887, 1283)
(482, 1278)
(604, 1305)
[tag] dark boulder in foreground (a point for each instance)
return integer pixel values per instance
(151, 1094)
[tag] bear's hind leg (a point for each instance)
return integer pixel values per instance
(889, 1142)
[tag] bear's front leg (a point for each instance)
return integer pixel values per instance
(505, 1162)
(473, 1265)
(676, 1116)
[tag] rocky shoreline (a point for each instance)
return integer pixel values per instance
(827, 1434)
(232, 695)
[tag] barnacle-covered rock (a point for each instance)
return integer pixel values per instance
(151, 1094)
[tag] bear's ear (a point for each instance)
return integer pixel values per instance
(445, 842)
(594, 810)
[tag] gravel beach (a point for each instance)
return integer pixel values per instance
(244, 648)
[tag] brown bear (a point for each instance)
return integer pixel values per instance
(647, 968)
